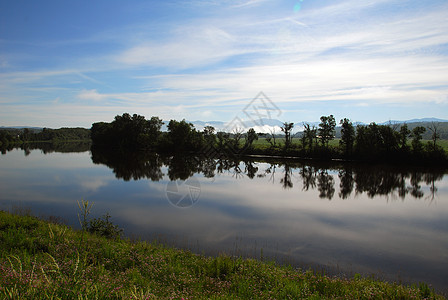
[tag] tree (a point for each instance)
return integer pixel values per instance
(154, 126)
(434, 128)
(403, 135)
(308, 136)
(271, 139)
(237, 136)
(102, 133)
(251, 136)
(25, 134)
(347, 136)
(180, 134)
(388, 139)
(209, 135)
(223, 139)
(326, 129)
(366, 140)
(417, 137)
(287, 128)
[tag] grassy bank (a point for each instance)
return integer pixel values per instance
(263, 143)
(40, 259)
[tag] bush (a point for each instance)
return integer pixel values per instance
(104, 227)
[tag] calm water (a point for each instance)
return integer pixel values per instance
(342, 218)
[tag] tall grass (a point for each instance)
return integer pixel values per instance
(41, 260)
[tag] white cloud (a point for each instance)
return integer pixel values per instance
(91, 95)
(211, 65)
(249, 3)
(190, 47)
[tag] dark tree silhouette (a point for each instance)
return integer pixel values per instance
(287, 129)
(250, 137)
(435, 134)
(417, 137)
(326, 129)
(308, 136)
(403, 135)
(347, 136)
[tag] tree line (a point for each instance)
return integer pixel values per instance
(135, 132)
(360, 142)
(373, 141)
(11, 137)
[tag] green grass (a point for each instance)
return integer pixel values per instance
(41, 260)
(263, 143)
(443, 144)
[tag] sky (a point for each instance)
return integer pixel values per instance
(73, 63)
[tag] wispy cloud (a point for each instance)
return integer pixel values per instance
(189, 47)
(210, 64)
(249, 3)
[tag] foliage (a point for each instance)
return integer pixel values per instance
(209, 135)
(347, 136)
(25, 135)
(326, 129)
(287, 128)
(417, 137)
(371, 142)
(104, 227)
(125, 131)
(84, 211)
(435, 134)
(403, 135)
(182, 136)
(308, 136)
(250, 137)
(377, 141)
(39, 260)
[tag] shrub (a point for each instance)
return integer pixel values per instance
(104, 227)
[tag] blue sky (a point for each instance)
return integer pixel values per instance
(72, 63)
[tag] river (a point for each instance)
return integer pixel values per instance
(338, 218)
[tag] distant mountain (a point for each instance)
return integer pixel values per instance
(423, 120)
(264, 125)
(274, 125)
(260, 125)
(20, 127)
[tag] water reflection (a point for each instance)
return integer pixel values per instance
(353, 179)
(49, 147)
(127, 166)
(279, 206)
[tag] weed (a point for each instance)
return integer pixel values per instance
(104, 227)
(120, 269)
(84, 207)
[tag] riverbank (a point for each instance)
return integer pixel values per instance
(41, 259)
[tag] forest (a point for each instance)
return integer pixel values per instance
(16, 137)
(373, 142)
(398, 143)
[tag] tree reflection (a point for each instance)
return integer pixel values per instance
(286, 180)
(208, 167)
(359, 179)
(325, 185)
(49, 147)
(308, 174)
(250, 169)
(430, 179)
(415, 188)
(127, 166)
(182, 167)
(346, 182)
(378, 182)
